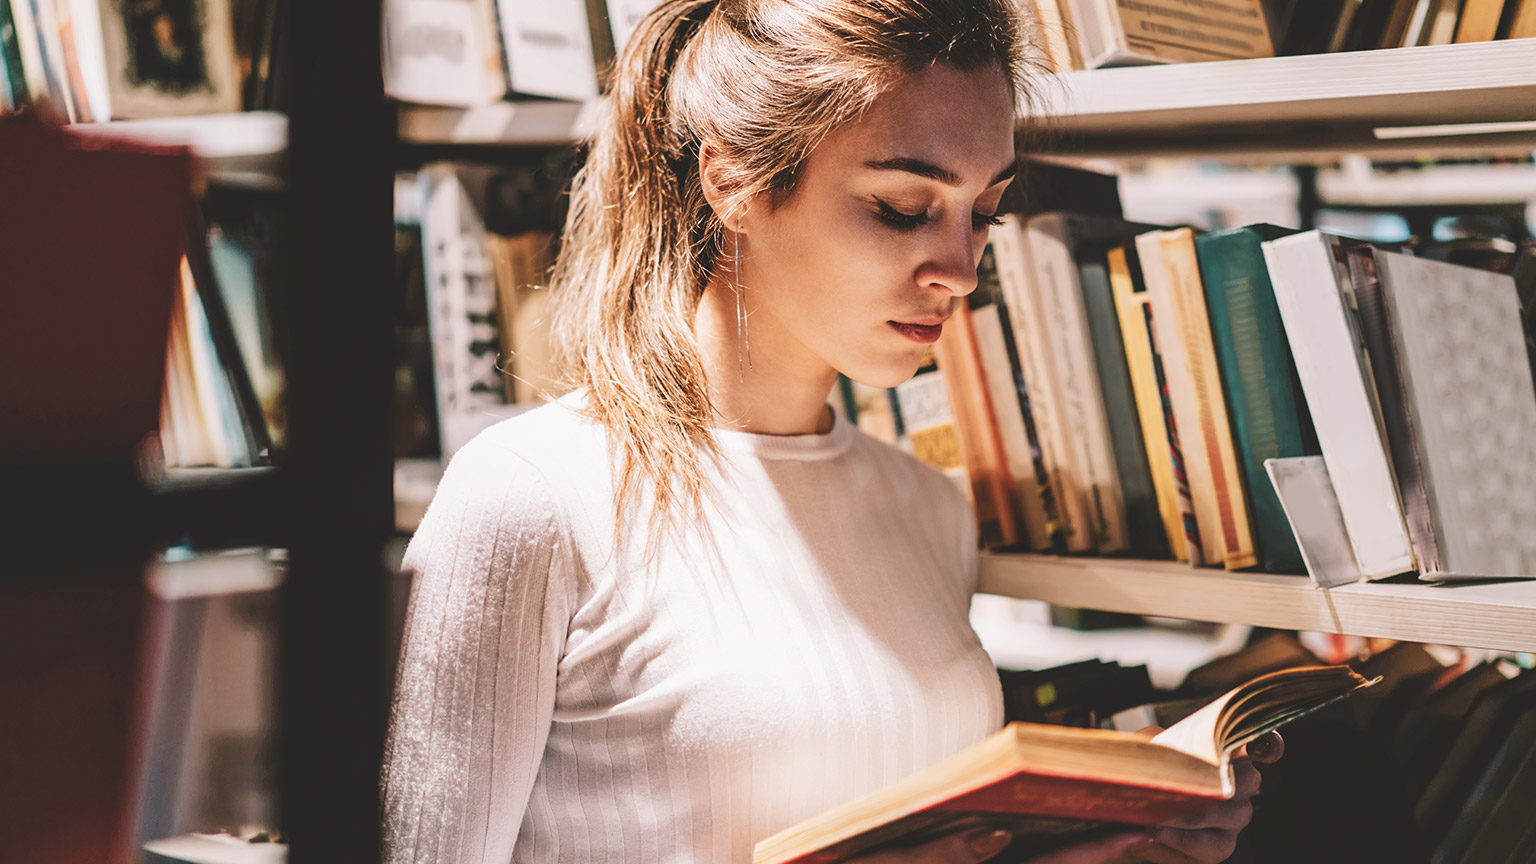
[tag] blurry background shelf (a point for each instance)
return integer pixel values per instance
(1498, 615)
(244, 148)
(1295, 108)
(515, 124)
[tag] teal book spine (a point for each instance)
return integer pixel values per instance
(1269, 414)
(13, 80)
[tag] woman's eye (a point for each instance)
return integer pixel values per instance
(980, 221)
(899, 220)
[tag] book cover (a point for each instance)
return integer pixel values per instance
(170, 59)
(1258, 377)
(1467, 386)
(1479, 20)
(624, 16)
(442, 52)
(928, 422)
(1135, 32)
(1130, 294)
(1052, 786)
(1310, 276)
(551, 49)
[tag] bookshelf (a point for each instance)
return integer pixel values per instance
(245, 148)
(1280, 109)
(1499, 615)
(1303, 108)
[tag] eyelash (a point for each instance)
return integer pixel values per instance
(912, 221)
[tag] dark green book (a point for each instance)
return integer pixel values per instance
(1144, 524)
(1258, 376)
(13, 77)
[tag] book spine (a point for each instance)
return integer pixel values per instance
(1257, 375)
(1077, 379)
(1143, 522)
(1215, 425)
(1183, 405)
(1130, 305)
(1169, 31)
(959, 358)
(1397, 419)
(1307, 291)
(928, 422)
(1049, 528)
(998, 369)
(1023, 301)
(1193, 544)
(14, 73)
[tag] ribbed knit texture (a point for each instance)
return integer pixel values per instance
(560, 700)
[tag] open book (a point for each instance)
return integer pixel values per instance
(1052, 786)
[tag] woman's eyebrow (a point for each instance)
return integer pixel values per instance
(934, 172)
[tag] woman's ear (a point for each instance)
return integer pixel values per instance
(722, 193)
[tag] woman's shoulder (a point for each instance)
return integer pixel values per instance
(551, 460)
(919, 477)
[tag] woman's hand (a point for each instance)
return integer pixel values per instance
(1209, 836)
(970, 847)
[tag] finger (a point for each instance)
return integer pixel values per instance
(1203, 846)
(1231, 816)
(1267, 748)
(1099, 851)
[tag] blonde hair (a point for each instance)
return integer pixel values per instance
(762, 82)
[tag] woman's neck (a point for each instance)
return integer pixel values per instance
(781, 390)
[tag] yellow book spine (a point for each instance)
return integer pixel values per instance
(1130, 307)
(1215, 424)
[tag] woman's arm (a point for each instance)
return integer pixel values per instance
(491, 596)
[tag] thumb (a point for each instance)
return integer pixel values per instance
(1102, 851)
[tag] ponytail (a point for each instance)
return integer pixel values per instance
(638, 243)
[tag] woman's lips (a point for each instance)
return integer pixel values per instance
(924, 333)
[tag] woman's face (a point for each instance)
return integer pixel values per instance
(858, 270)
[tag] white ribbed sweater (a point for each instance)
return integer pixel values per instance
(560, 701)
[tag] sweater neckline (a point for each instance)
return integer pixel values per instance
(825, 445)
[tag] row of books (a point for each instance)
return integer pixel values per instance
(221, 405)
(1120, 388)
(1309, 27)
(474, 257)
(1431, 764)
(96, 61)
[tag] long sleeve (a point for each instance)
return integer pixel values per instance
(490, 603)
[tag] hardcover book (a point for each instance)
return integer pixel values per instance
(1258, 377)
(1142, 362)
(1310, 273)
(1053, 786)
(1137, 32)
(1468, 414)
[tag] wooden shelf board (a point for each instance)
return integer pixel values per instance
(1298, 107)
(243, 149)
(1498, 615)
(517, 124)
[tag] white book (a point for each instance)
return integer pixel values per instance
(1118, 33)
(992, 343)
(1077, 378)
(1313, 294)
(1181, 397)
(1015, 276)
(461, 310)
(549, 48)
(90, 51)
(1466, 384)
(441, 52)
(624, 16)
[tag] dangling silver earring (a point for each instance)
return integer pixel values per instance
(743, 334)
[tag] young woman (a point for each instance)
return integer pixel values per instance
(684, 608)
